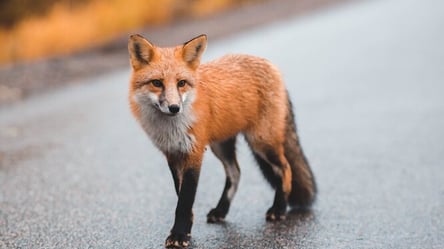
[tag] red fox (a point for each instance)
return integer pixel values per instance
(184, 106)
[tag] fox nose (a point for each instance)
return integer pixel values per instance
(174, 108)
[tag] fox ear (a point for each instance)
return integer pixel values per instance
(193, 50)
(141, 51)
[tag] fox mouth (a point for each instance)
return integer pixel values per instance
(170, 114)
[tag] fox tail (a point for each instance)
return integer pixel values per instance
(303, 191)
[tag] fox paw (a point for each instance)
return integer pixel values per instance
(178, 241)
(275, 214)
(215, 216)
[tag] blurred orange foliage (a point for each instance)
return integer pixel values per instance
(66, 29)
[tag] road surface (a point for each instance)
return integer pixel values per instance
(367, 81)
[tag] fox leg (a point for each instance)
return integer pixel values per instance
(277, 171)
(225, 151)
(185, 170)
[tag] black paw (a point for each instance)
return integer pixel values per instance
(178, 241)
(215, 216)
(275, 214)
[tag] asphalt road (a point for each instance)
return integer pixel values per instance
(367, 81)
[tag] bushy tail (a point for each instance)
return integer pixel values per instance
(303, 190)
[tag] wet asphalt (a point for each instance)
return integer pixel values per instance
(367, 82)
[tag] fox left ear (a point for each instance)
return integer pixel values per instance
(193, 50)
(141, 51)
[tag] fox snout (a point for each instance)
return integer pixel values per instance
(170, 102)
(168, 109)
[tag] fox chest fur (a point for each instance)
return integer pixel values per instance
(168, 133)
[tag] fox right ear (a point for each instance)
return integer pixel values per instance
(193, 50)
(141, 51)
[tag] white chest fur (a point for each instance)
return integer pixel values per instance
(168, 133)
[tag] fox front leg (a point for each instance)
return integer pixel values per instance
(186, 176)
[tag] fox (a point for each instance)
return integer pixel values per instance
(185, 106)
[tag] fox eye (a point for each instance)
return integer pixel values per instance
(181, 83)
(156, 83)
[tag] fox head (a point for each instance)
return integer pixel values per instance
(164, 78)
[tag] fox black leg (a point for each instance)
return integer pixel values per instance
(186, 179)
(226, 152)
(278, 209)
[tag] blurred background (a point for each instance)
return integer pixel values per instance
(31, 29)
